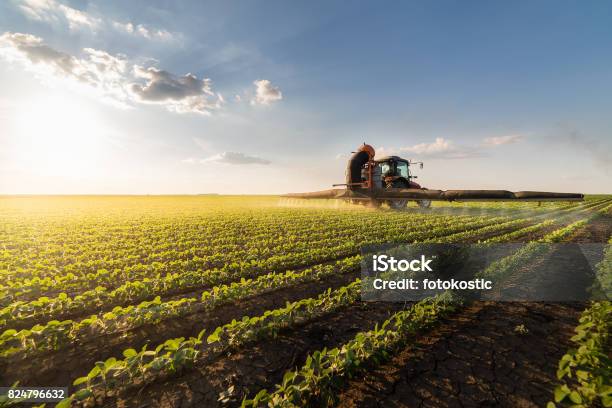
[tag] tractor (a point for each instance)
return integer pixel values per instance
(389, 172)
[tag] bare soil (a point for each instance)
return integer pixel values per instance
(597, 231)
(193, 291)
(475, 359)
(258, 365)
(481, 357)
(60, 368)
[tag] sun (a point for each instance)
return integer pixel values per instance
(58, 136)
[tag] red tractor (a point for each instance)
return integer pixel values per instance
(389, 172)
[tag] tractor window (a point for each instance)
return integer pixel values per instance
(384, 168)
(402, 169)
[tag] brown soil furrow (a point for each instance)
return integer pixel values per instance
(192, 291)
(258, 365)
(479, 357)
(198, 291)
(51, 368)
(596, 231)
(62, 366)
(174, 294)
(475, 358)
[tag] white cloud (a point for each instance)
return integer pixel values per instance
(143, 31)
(54, 12)
(78, 19)
(265, 93)
(118, 80)
(440, 148)
(51, 11)
(26, 47)
(502, 140)
(112, 76)
(235, 158)
(440, 145)
(182, 94)
(96, 69)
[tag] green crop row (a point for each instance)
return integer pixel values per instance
(100, 298)
(468, 235)
(520, 233)
(265, 234)
(55, 335)
(42, 267)
(316, 383)
(587, 369)
(603, 284)
(225, 259)
(500, 269)
(592, 209)
(183, 253)
(240, 260)
(564, 215)
(176, 354)
(238, 333)
(162, 261)
(319, 379)
(133, 291)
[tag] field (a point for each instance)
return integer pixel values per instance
(222, 301)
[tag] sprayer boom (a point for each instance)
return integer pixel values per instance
(390, 180)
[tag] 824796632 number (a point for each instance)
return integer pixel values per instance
(33, 394)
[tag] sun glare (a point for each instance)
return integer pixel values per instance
(57, 136)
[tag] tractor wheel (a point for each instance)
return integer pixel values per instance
(397, 204)
(424, 203)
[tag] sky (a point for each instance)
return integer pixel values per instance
(256, 97)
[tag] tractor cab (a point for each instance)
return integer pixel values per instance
(395, 172)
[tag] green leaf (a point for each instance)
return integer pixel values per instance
(583, 375)
(214, 336)
(561, 392)
(94, 372)
(83, 394)
(201, 334)
(110, 362)
(127, 353)
(575, 397)
(80, 380)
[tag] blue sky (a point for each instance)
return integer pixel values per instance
(96, 98)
